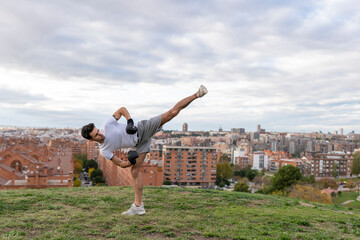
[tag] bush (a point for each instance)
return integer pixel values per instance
(90, 171)
(77, 183)
(167, 182)
(98, 179)
(327, 183)
(241, 187)
(309, 193)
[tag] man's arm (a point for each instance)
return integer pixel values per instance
(130, 128)
(119, 162)
(121, 112)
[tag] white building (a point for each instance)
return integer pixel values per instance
(237, 152)
(260, 161)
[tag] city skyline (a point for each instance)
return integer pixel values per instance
(290, 66)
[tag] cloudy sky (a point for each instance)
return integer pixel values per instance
(287, 65)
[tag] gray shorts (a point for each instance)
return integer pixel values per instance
(146, 129)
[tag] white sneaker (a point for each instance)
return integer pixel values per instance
(134, 210)
(202, 91)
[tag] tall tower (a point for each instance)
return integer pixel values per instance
(341, 131)
(185, 127)
(258, 128)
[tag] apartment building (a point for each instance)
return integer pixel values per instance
(151, 171)
(303, 164)
(259, 160)
(243, 162)
(92, 150)
(331, 164)
(194, 166)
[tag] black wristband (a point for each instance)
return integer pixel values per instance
(130, 121)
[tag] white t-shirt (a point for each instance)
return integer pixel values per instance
(115, 138)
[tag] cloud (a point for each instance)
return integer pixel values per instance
(287, 64)
(14, 97)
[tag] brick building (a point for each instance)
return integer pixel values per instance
(190, 165)
(29, 166)
(76, 147)
(92, 150)
(183, 165)
(243, 162)
(116, 176)
(329, 165)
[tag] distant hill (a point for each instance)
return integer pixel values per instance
(172, 213)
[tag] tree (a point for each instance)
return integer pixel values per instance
(309, 179)
(286, 176)
(77, 166)
(240, 172)
(95, 173)
(258, 180)
(251, 174)
(296, 155)
(82, 157)
(241, 187)
(90, 164)
(355, 167)
(335, 169)
(225, 158)
(90, 172)
(223, 172)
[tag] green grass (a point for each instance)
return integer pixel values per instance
(172, 213)
(345, 196)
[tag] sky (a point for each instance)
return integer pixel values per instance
(291, 66)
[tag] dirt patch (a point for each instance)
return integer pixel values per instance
(310, 205)
(306, 204)
(349, 201)
(258, 203)
(186, 192)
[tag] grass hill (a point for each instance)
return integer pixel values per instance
(172, 213)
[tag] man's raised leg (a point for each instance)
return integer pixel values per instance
(166, 117)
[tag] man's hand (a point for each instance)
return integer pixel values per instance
(130, 128)
(119, 162)
(132, 156)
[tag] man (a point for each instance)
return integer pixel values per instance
(114, 135)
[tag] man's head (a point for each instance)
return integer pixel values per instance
(91, 133)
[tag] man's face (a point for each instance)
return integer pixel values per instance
(97, 135)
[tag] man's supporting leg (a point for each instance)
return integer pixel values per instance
(138, 181)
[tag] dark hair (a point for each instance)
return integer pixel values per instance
(86, 130)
